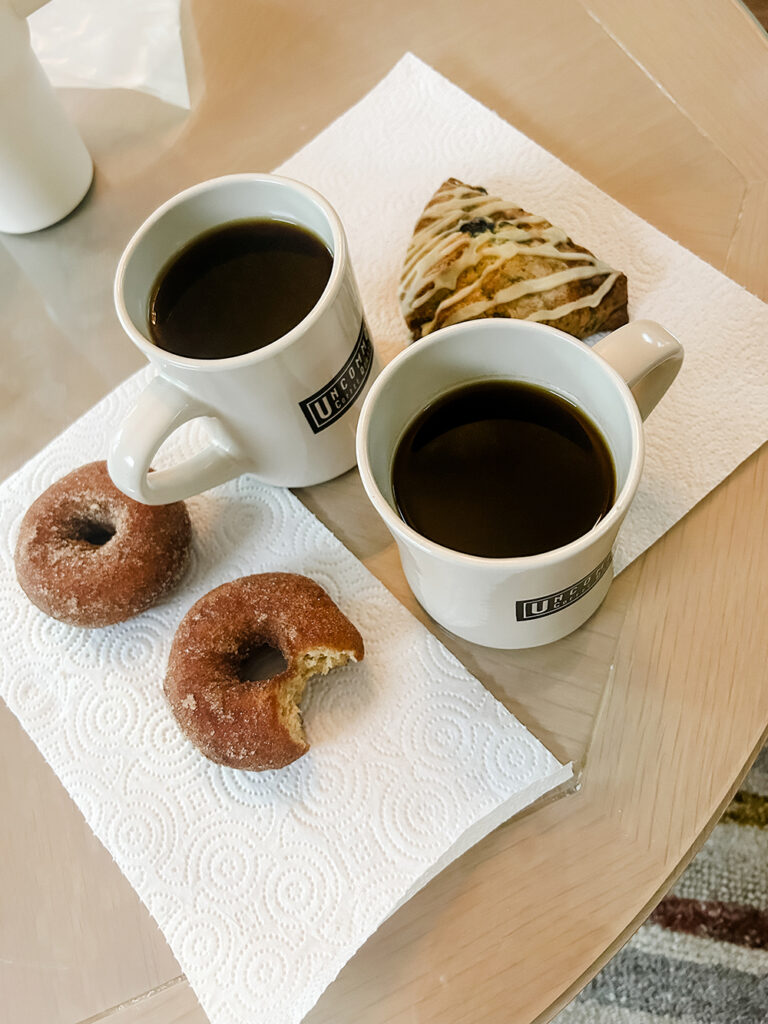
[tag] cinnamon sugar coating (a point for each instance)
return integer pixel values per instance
(89, 555)
(236, 722)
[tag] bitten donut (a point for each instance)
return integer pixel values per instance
(254, 725)
(89, 555)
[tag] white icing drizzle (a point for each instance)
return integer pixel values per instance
(439, 253)
(592, 301)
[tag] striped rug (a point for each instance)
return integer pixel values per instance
(702, 956)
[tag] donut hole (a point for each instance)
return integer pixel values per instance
(95, 532)
(259, 662)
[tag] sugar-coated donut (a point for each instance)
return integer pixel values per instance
(89, 555)
(254, 725)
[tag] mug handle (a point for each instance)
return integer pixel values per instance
(160, 409)
(648, 358)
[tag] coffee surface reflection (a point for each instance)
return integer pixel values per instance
(502, 469)
(237, 288)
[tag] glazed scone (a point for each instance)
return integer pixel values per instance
(475, 255)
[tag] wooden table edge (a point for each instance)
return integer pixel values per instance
(626, 933)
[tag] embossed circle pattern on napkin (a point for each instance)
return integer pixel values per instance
(263, 884)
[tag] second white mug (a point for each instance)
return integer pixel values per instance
(533, 599)
(286, 412)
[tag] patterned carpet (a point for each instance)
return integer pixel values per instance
(702, 956)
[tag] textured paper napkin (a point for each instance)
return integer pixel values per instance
(382, 160)
(263, 884)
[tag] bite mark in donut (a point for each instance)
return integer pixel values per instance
(254, 725)
(89, 555)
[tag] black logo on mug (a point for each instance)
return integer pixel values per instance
(538, 607)
(332, 401)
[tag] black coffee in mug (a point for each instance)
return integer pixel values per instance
(502, 469)
(237, 288)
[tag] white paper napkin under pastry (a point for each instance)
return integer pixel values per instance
(265, 885)
(382, 160)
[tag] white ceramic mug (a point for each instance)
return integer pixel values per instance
(286, 412)
(532, 600)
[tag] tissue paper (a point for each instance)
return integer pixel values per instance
(111, 44)
(382, 160)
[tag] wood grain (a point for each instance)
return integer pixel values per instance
(661, 697)
(719, 68)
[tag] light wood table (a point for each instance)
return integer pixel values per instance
(662, 697)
